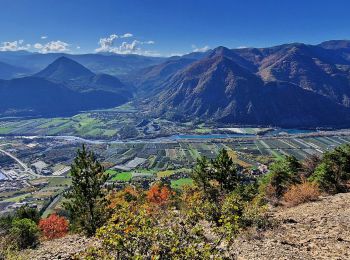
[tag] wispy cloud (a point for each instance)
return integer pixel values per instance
(18, 45)
(127, 35)
(109, 44)
(53, 46)
(133, 47)
(43, 37)
(200, 49)
(106, 43)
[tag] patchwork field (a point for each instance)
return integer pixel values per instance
(143, 162)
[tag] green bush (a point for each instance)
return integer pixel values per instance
(333, 173)
(141, 235)
(283, 173)
(5, 224)
(29, 213)
(24, 233)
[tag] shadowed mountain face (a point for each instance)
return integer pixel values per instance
(65, 87)
(77, 77)
(293, 85)
(9, 71)
(64, 69)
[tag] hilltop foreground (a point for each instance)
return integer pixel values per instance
(316, 230)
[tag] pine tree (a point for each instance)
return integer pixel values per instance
(201, 173)
(226, 171)
(218, 176)
(86, 199)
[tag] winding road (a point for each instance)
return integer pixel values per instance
(22, 164)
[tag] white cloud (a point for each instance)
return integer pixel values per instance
(38, 46)
(133, 47)
(78, 47)
(14, 46)
(202, 49)
(43, 37)
(53, 46)
(108, 44)
(126, 35)
(242, 47)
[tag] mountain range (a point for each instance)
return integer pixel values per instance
(114, 64)
(64, 87)
(290, 85)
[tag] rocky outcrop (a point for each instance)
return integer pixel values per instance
(65, 248)
(317, 230)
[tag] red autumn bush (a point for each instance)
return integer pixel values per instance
(53, 227)
(159, 195)
(301, 193)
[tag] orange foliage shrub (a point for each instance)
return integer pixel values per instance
(123, 197)
(301, 193)
(53, 227)
(159, 195)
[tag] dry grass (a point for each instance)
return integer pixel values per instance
(301, 193)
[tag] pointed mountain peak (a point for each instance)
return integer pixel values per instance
(63, 69)
(221, 50)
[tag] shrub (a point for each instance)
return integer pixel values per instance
(333, 173)
(5, 224)
(325, 177)
(255, 214)
(53, 227)
(284, 172)
(159, 195)
(24, 233)
(301, 193)
(29, 213)
(309, 165)
(141, 235)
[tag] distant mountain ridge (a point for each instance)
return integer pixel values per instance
(112, 64)
(77, 77)
(65, 87)
(292, 85)
(8, 71)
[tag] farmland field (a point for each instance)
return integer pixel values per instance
(120, 176)
(178, 184)
(141, 161)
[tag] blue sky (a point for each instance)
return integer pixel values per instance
(166, 27)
